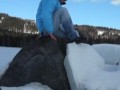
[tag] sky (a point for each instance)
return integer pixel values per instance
(104, 13)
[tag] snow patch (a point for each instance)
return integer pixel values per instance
(0, 21)
(100, 32)
(6, 56)
(2, 18)
(30, 86)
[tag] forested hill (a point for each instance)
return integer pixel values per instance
(17, 24)
(17, 32)
(28, 26)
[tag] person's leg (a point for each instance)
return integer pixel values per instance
(62, 17)
(58, 29)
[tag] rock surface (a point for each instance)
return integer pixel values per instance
(39, 61)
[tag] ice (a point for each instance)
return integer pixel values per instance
(87, 69)
(110, 52)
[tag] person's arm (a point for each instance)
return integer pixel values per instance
(39, 23)
(50, 8)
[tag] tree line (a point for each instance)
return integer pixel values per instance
(12, 32)
(19, 39)
(15, 39)
(109, 35)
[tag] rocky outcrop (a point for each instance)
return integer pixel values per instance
(39, 61)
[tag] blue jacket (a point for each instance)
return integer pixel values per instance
(44, 16)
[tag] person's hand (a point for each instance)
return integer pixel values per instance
(53, 37)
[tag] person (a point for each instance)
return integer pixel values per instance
(54, 20)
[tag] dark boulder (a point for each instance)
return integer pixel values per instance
(39, 61)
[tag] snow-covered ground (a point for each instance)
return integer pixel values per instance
(30, 86)
(95, 67)
(6, 56)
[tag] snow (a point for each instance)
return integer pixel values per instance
(2, 18)
(88, 70)
(0, 21)
(95, 67)
(100, 32)
(30, 86)
(6, 56)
